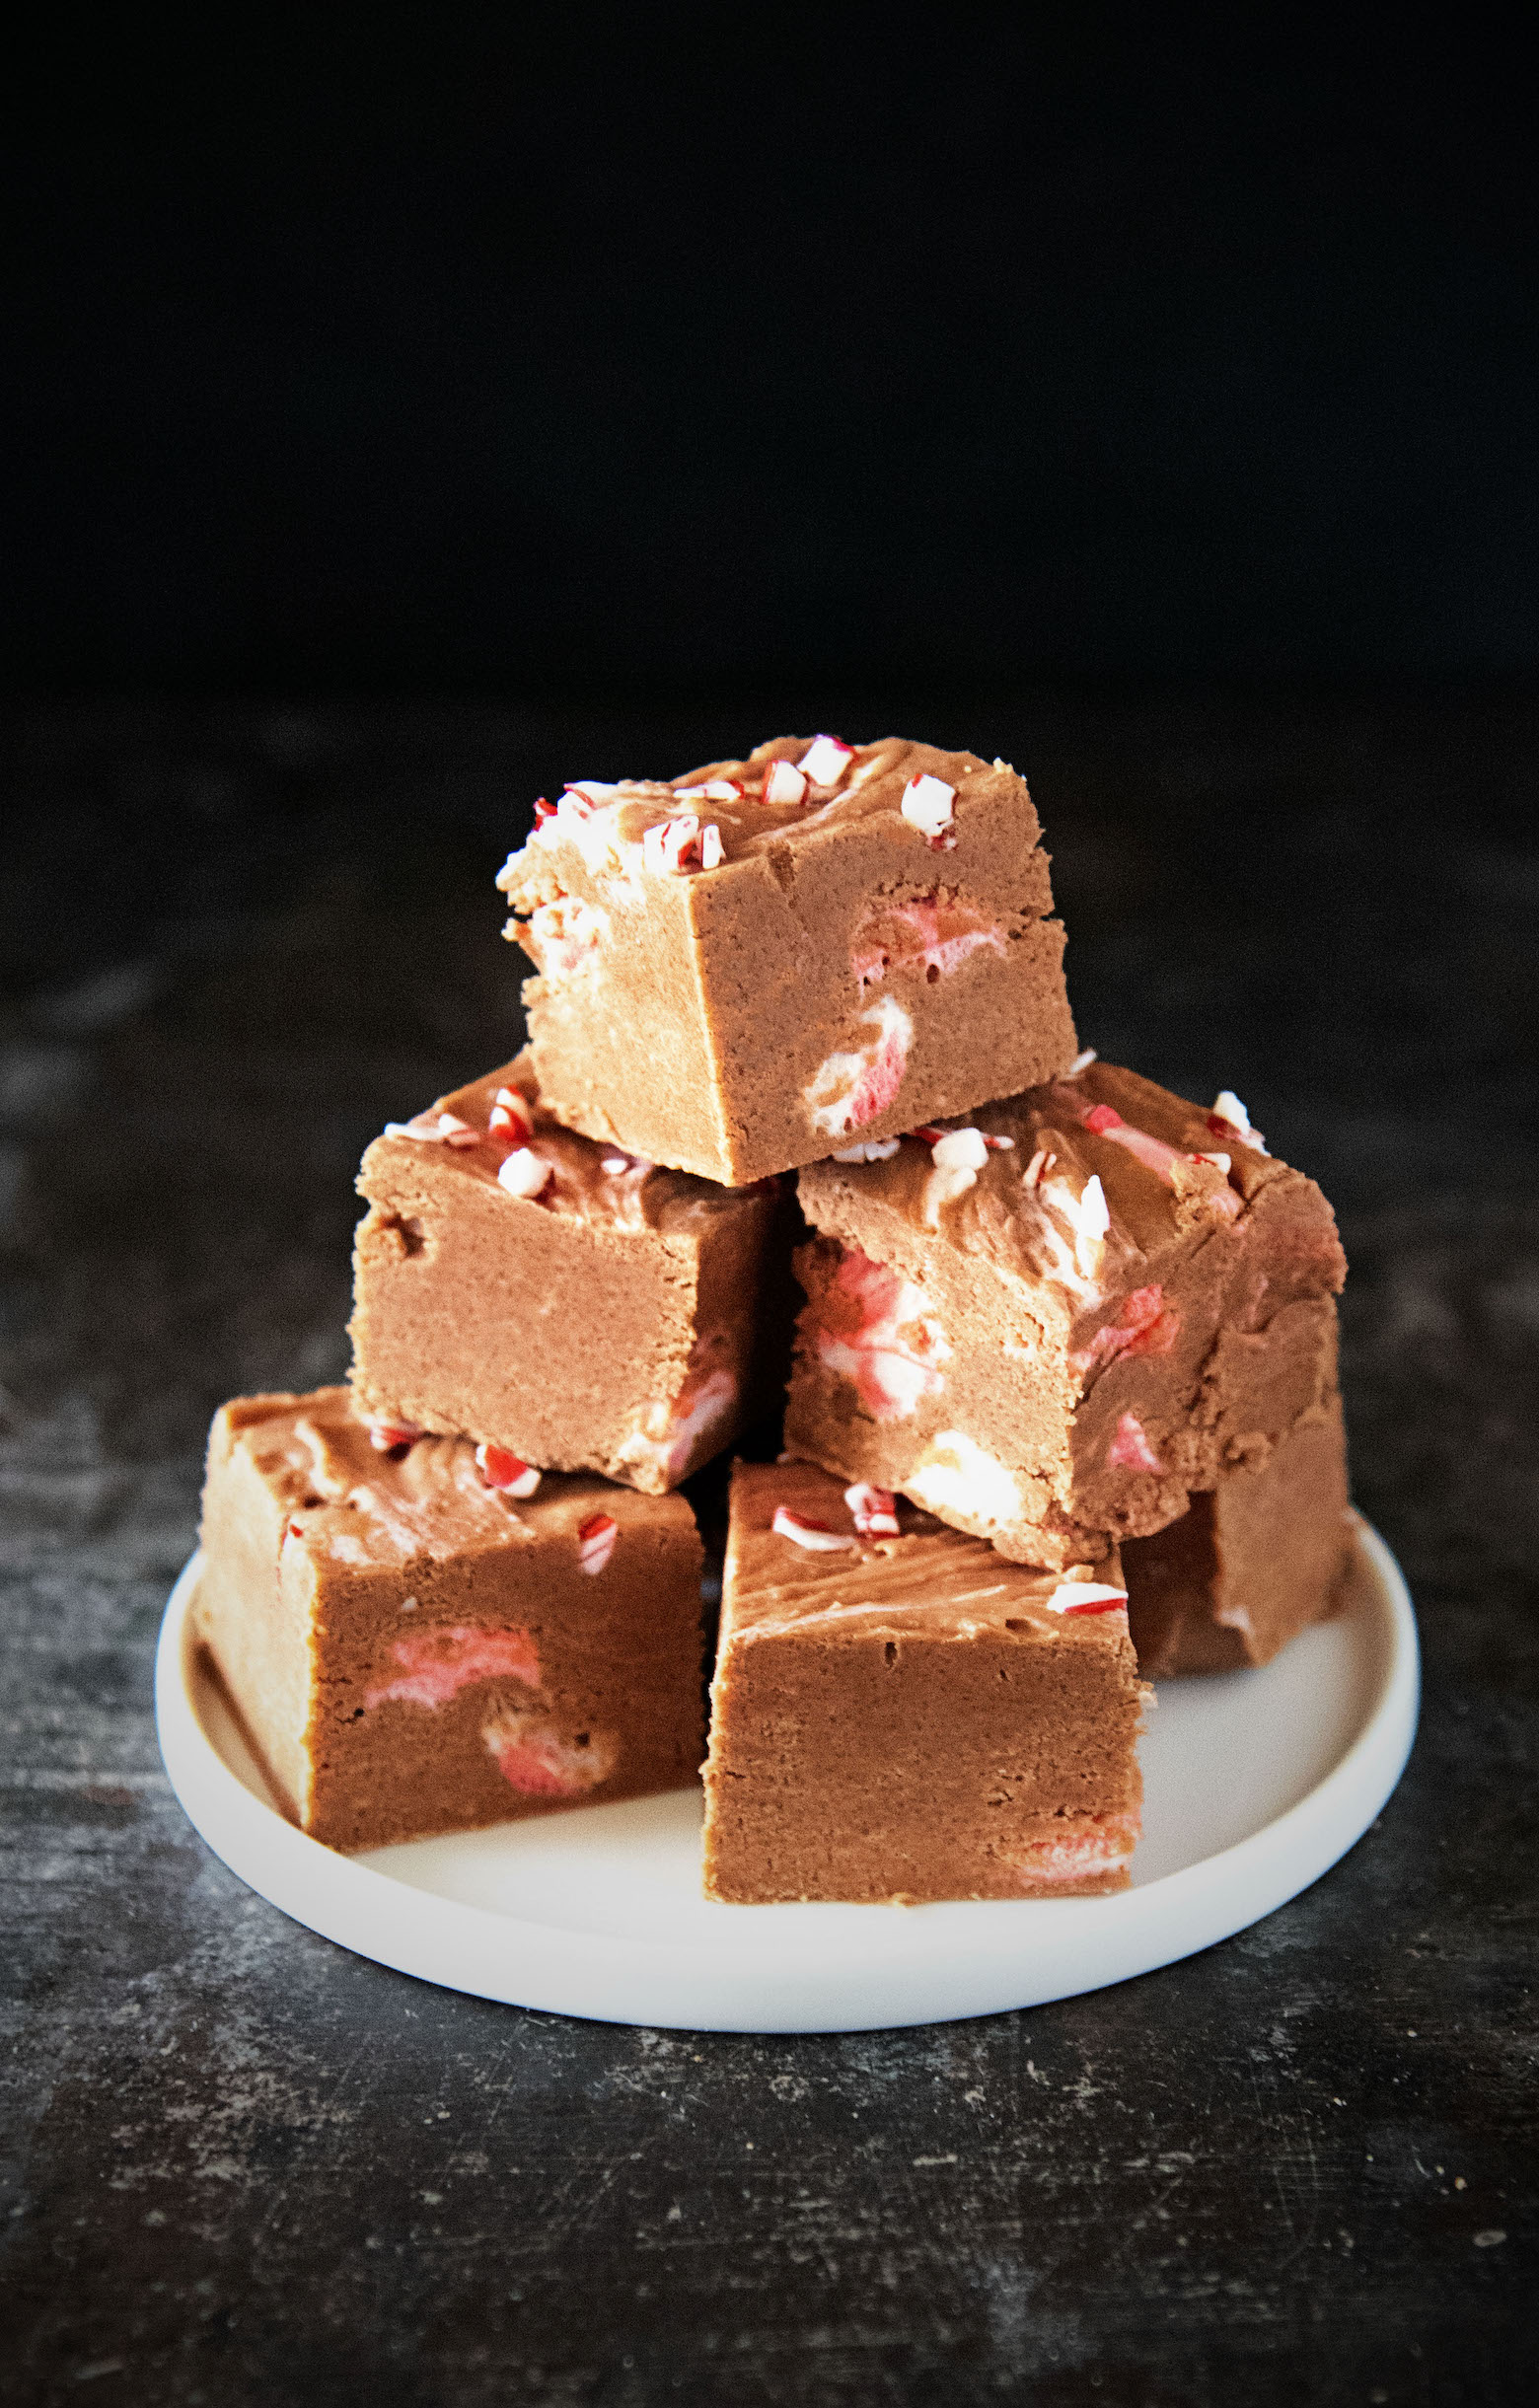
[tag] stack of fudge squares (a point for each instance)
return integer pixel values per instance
(1058, 1414)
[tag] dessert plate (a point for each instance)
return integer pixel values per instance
(1255, 1784)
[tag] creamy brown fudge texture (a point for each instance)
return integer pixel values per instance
(560, 1299)
(1250, 1563)
(1058, 1321)
(900, 1714)
(748, 966)
(410, 1651)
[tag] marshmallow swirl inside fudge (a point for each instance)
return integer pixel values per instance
(743, 969)
(1057, 1321)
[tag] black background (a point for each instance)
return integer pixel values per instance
(519, 352)
(405, 421)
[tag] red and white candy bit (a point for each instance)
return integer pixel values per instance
(870, 1149)
(385, 1437)
(542, 811)
(938, 1137)
(783, 783)
(711, 845)
(524, 1173)
(874, 1511)
(502, 1469)
(596, 1541)
(930, 805)
(1215, 1162)
(816, 1537)
(434, 1129)
(1229, 1119)
(825, 760)
(1038, 1168)
(1086, 1597)
(510, 1118)
(1082, 1062)
(715, 790)
(1129, 1451)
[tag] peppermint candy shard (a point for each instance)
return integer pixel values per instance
(816, 1537)
(542, 811)
(1103, 1118)
(960, 1149)
(873, 1510)
(783, 783)
(1082, 1062)
(826, 760)
(929, 805)
(711, 845)
(524, 1173)
(510, 1118)
(596, 1541)
(1227, 1107)
(872, 1149)
(385, 1437)
(1086, 1597)
(434, 1129)
(1038, 1168)
(1217, 1162)
(502, 1469)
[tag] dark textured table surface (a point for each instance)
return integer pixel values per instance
(243, 2166)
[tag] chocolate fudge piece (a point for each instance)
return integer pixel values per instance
(743, 969)
(899, 1713)
(1061, 1319)
(559, 1299)
(410, 1651)
(1250, 1563)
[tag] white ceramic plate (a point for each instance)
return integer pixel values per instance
(1255, 1782)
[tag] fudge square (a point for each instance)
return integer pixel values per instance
(558, 1301)
(743, 967)
(410, 1651)
(1060, 1319)
(1250, 1563)
(900, 1714)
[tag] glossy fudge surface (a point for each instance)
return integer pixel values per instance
(1250, 1563)
(1061, 1319)
(853, 939)
(906, 1715)
(410, 1651)
(597, 1313)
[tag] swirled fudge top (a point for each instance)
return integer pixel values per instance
(498, 1132)
(376, 1497)
(1083, 1184)
(792, 788)
(808, 1556)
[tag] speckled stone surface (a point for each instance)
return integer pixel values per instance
(241, 2166)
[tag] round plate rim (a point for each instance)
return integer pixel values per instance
(1023, 1961)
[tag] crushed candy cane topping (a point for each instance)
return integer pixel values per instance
(1228, 1107)
(524, 1173)
(816, 1537)
(1085, 1597)
(826, 760)
(596, 1541)
(872, 1149)
(385, 1437)
(874, 1511)
(715, 790)
(1038, 1167)
(960, 1149)
(784, 782)
(1082, 1062)
(929, 805)
(510, 1117)
(502, 1469)
(434, 1129)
